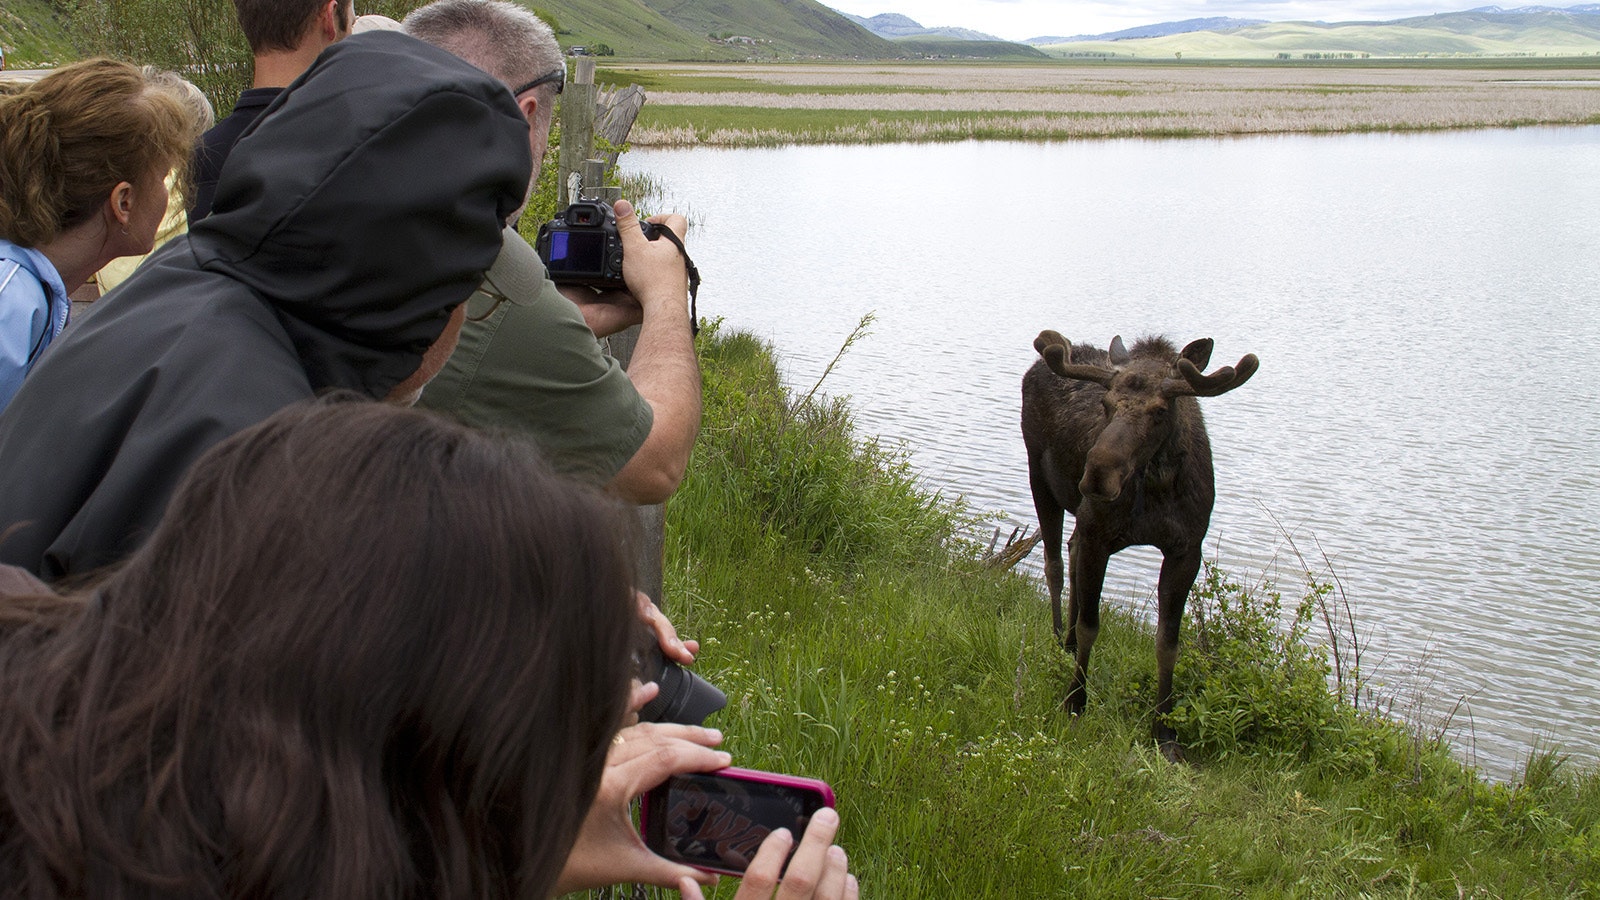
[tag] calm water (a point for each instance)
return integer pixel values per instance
(1426, 309)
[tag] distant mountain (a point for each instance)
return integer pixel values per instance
(1213, 23)
(1483, 32)
(894, 26)
(1587, 9)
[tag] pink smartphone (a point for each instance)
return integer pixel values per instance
(717, 820)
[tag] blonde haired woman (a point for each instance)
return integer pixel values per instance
(84, 154)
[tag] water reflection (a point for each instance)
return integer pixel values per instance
(1423, 305)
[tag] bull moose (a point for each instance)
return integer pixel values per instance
(1116, 438)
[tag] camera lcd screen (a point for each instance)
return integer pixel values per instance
(718, 823)
(577, 252)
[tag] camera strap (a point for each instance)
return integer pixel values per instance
(694, 277)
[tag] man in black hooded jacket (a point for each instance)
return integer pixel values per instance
(350, 226)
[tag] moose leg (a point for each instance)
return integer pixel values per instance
(1086, 572)
(1178, 571)
(1051, 517)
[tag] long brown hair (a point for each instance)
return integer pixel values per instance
(367, 653)
(68, 139)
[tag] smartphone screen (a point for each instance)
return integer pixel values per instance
(717, 820)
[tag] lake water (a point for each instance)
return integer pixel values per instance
(1427, 312)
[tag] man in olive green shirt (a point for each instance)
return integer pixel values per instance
(527, 360)
(533, 363)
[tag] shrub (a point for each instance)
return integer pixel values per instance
(1249, 680)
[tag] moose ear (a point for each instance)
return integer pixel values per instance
(1199, 353)
(1119, 353)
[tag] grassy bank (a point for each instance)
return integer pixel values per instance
(756, 105)
(861, 642)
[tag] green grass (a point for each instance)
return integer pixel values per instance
(669, 80)
(32, 36)
(861, 642)
(816, 126)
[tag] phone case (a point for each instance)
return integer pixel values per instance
(716, 820)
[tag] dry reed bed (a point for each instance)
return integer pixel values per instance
(1068, 102)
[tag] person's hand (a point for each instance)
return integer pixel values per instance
(605, 312)
(819, 870)
(654, 271)
(609, 849)
(679, 651)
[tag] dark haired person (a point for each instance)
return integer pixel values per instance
(528, 359)
(285, 37)
(84, 152)
(367, 653)
(313, 272)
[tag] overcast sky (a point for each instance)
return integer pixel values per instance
(1018, 20)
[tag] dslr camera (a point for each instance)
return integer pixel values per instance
(581, 245)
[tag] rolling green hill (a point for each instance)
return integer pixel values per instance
(31, 36)
(630, 28)
(955, 48)
(1464, 34)
(782, 27)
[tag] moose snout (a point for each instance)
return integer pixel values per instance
(1104, 475)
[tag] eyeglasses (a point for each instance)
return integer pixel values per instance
(558, 77)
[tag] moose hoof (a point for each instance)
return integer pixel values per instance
(1172, 751)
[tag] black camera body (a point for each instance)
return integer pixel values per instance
(581, 245)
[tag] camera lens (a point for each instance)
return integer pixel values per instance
(685, 698)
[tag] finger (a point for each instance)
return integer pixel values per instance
(641, 757)
(637, 740)
(627, 223)
(852, 888)
(677, 223)
(643, 693)
(835, 874)
(690, 890)
(805, 869)
(584, 295)
(672, 646)
(762, 874)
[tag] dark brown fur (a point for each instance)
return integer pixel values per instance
(1117, 439)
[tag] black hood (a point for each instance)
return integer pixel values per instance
(334, 209)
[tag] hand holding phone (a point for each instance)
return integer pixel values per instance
(717, 821)
(817, 870)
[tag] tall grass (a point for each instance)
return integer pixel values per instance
(860, 640)
(778, 104)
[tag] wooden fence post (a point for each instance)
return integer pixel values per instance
(579, 166)
(577, 126)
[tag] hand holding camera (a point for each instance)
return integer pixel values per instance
(592, 244)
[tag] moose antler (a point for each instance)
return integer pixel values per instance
(1223, 380)
(1057, 355)
(1046, 338)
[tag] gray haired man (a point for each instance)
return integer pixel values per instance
(528, 358)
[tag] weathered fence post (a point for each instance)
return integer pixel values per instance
(579, 166)
(577, 125)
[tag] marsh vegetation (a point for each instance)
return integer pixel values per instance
(754, 105)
